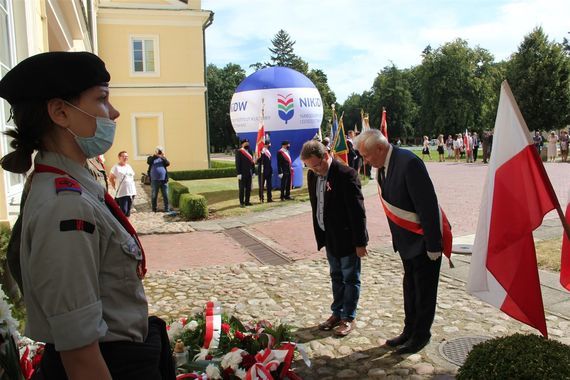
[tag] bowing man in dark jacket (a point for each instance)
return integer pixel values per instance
(244, 169)
(339, 222)
(408, 193)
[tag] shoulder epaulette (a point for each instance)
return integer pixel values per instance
(67, 184)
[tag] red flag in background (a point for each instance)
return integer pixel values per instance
(384, 124)
(517, 195)
(260, 141)
(466, 141)
(565, 254)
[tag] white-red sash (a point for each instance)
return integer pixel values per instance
(286, 155)
(246, 154)
(411, 221)
(267, 153)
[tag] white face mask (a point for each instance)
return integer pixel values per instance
(102, 140)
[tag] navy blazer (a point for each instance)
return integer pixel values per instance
(409, 187)
(243, 165)
(344, 214)
(283, 165)
(264, 161)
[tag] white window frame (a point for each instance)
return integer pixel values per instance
(155, 39)
(142, 115)
(12, 191)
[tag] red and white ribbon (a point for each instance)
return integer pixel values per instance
(213, 325)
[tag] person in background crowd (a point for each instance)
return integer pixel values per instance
(441, 148)
(475, 146)
(339, 223)
(408, 192)
(327, 143)
(265, 172)
(245, 168)
(468, 143)
(552, 146)
(425, 149)
(122, 179)
(449, 144)
(285, 169)
(564, 142)
(81, 261)
(158, 174)
(537, 139)
(351, 152)
(457, 143)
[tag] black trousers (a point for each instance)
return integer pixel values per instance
(286, 185)
(421, 277)
(244, 189)
(265, 183)
(148, 360)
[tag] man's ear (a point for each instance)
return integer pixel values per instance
(58, 113)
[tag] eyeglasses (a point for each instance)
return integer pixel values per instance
(313, 167)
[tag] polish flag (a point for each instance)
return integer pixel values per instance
(260, 141)
(565, 254)
(517, 195)
(384, 124)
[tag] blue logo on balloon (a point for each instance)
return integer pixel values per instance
(285, 106)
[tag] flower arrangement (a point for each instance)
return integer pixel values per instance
(239, 351)
(9, 355)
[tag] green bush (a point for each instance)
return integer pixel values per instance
(175, 190)
(193, 206)
(517, 357)
(222, 164)
(186, 175)
(4, 239)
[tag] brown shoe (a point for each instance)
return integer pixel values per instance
(344, 327)
(330, 323)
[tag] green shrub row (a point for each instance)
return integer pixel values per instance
(193, 206)
(186, 175)
(222, 164)
(175, 190)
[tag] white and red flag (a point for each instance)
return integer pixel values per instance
(260, 141)
(466, 142)
(384, 124)
(517, 195)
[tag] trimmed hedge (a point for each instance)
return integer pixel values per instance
(222, 164)
(175, 190)
(193, 206)
(517, 357)
(186, 175)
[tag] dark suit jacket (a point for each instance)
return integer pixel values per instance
(243, 165)
(344, 215)
(409, 187)
(283, 166)
(266, 163)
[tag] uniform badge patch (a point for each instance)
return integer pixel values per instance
(67, 184)
(76, 225)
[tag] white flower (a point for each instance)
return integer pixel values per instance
(192, 325)
(213, 372)
(202, 354)
(232, 359)
(240, 372)
(8, 325)
(175, 330)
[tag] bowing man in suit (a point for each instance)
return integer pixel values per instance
(339, 223)
(265, 171)
(244, 168)
(284, 168)
(408, 194)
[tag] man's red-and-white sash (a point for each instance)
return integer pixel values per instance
(411, 221)
(286, 155)
(246, 154)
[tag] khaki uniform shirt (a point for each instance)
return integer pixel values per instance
(80, 283)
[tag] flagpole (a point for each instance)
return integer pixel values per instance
(563, 220)
(260, 180)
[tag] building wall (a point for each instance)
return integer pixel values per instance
(166, 107)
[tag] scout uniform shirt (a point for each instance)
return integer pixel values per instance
(79, 265)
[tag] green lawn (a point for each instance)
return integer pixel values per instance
(222, 196)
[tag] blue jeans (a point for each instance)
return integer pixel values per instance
(155, 185)
(345, 279)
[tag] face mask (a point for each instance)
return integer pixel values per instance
(246, 146)
(101, 141)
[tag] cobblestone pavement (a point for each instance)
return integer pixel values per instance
(201, 263)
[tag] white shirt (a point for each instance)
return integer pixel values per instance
(124, 180)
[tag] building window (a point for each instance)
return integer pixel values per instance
(144, 56)
(147, 132)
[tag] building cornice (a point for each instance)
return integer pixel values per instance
(114, 15)
(120, 89)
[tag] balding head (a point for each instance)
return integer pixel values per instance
(373, 147)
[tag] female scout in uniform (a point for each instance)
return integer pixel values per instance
(81, 264)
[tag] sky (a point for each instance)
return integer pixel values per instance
(353, 40)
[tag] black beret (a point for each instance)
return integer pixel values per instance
(53, 75)
(285, 142)
(244, 141)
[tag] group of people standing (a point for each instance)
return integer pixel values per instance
(339, 223)
(553, 143)
(246, 170)
(460, 146)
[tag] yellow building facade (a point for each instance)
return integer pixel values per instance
(154, 50)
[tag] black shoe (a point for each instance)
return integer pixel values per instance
(412, 346)
(248, 204)
(269, 200)
(289, 198)
(397, 341)
(241, 205)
